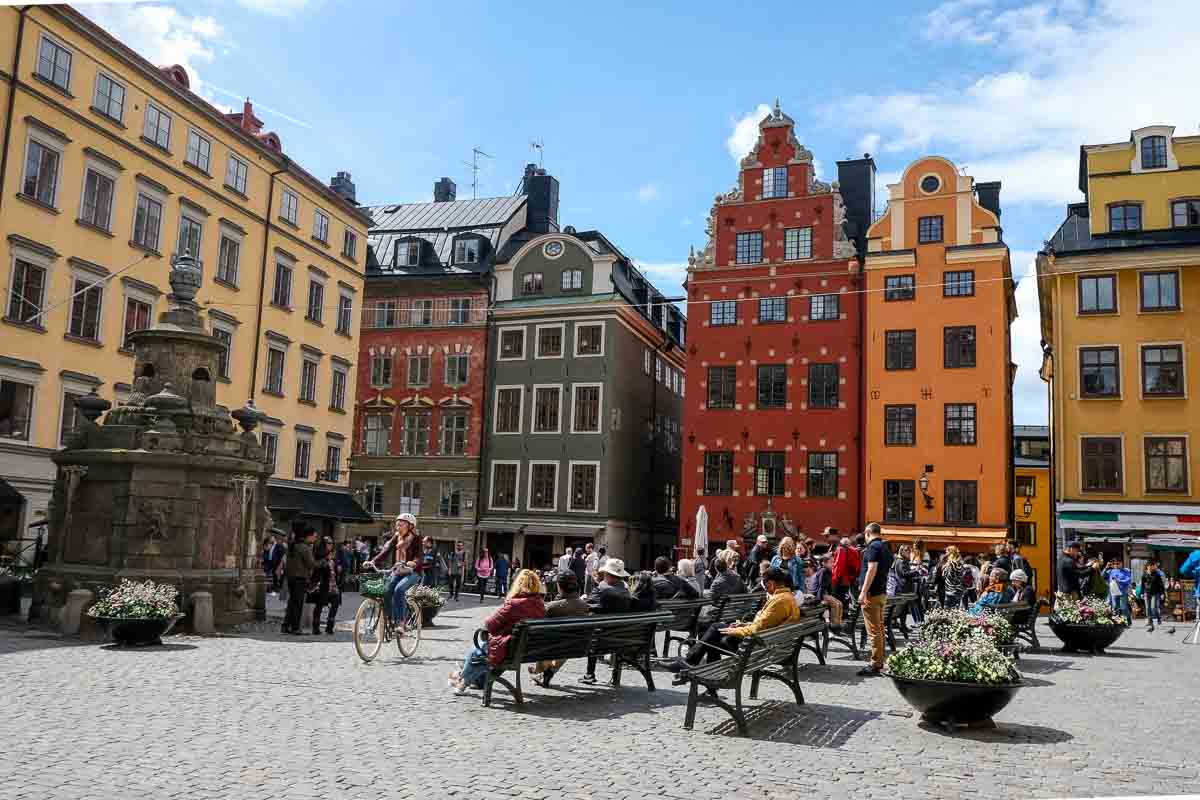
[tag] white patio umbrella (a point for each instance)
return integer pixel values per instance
(701, 538)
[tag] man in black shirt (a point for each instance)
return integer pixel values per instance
(1072, 573)
(876, 562)
(668, 586)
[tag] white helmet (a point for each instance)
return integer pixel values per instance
(406, 517)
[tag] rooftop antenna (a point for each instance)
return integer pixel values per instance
(474, 165)
(540, 146)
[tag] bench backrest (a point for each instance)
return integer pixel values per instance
(576, 637)
(899, 600)
(683, 612)
(772, 646)
(1016, 613)
(734, 607)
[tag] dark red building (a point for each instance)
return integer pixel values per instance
(772, 414)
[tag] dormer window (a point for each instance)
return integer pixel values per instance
(1124, 217)
(408, 254)
(466, 251)
(1154, 152)
(775, 182)
(572, 280)
(532, 283)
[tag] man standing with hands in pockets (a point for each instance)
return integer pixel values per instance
(876, 562)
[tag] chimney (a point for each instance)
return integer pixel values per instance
(444, 191)
(989, 196)
(342, 184)
(856, 179)
(541, 209)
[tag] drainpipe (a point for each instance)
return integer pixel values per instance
(485, 417)
(12, 100)
(262, 278)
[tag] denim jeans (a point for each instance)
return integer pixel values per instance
(397, 588)
(1120, 604)
(1153, 608)
(475, 666)
(455, 585)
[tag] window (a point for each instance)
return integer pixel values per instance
(85, 309)
(1102, 464)
(270, 443)
(929, 230)
(1026, 533)
(109, 97)
(959, 346)
(137, 318)
(768, 473)
(410, 498)
(333, 462)
(228, 254)
(316, 301)
(381, 370)
(147, 222)
(772, 386)
(1154, 152)
(414, 434)
(722, 312)
(718, 472)
(41, 173)
(1124, 217)
(1026, 485)
(722, 387)
(418, 371)
(408, 254)
(775, 182)
(54, 63)
(66, 423)
(900, 350)
(374, 497)
(1160, 291)
(158, 126)
(1185, 213)
(281, 295)
(504, 485)
(466, 251)
(749, 248)
(531, 283)
(512, 343)
(900, 425)
(454, 434)
(190, 235)
(772, 309)
(898, 501)
(958, 284)
(320, 226)
(543, 490)
(225, 338)
(421, 313)
(1162, 370)
(1098, 294)
(337, 390)
(27, 293)
(460, 311)
(899, 287)
(797, 244)
(646, 360)
(275, 360)
(961, 503)
(822, 475)
(670, 501)
(549, 342)
(236, 171)
(1166, 464)
(345, 310)
(960, 423)
(823, 307)
(308, 381)
(350, 244)
(303, 455)
(585, 414)
(385, 314)
(508, 409)
(572, 280)
(16, 404)
(823, 386)
(547, 403)
(589, 339)
(199, 151)
(377, 434)
(450, 500)
(457, 368)
(583, 487)
(96, 208)
(289, 207)
(1099, 372)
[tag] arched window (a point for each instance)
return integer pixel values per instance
(1154, 152)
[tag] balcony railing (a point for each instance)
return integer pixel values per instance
(403, 315)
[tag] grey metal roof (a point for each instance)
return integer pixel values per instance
(1032, 463)
(1032, 431)
(1074, 235)
(438, 224)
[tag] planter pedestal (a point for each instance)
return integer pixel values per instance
(945, 703)
(427, 615)
(138, 632)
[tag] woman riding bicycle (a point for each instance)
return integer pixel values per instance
(405, 546)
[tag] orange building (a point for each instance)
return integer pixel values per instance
(939, 370)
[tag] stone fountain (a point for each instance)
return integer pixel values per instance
(164, 488)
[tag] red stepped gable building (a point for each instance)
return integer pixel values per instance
(772, 407)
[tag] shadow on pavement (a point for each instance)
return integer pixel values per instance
(1004, 733)
(1041, 667)
(811, 725)
(165, 647)
(839, 674)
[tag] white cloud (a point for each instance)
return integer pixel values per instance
(1029, 390)
(745, 132)
(869, 143)
(276, 8)
(648, 192)
(667, 277)
(961, 20)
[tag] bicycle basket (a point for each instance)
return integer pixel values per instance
(372, 587)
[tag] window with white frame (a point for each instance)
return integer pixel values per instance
(585, 408)
(349, 244)
(337, 389)
(386, 314)
(454, 433)
(466, 251)
(303, 457)
(797, 244)
(16, 408)
(109, 98)
(589, 339)
(410, 498)
(549, 341)
(420, 313)
(275, 364)
(509, 409)
(775, 182)
(381, 369)
(281, 294)
(225, 337)
(270, 443)
(199, 151)
(823, 307)
(54, 63)
(95, 208)
(450, 502)
(27, 292)
(41, 172)
(333, 462)
(418, 370)
(320, 226)
(408, 254)
(229, 253)
(414, 438)
(583, 486)
(308, 381)
(374, 496)
(457, 368)
(87, 297)
(377, 433)
(749, 247)
(460, 311)
(543, 485)
(547, 409)
(147, 221)
(289, 207)
(504, 484)
(512, 343)
(236, 173)
(316, 301)
(191, 232)
(572, 280)
(345, 313)
(158, 126)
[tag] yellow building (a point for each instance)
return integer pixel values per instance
(1033, 529)
(1120, 286)
(109, 167)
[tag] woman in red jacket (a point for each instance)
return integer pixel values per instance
(524, 601)
(847, 562)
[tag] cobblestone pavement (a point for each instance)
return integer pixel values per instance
(258, 715)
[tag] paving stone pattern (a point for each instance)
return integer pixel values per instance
(259, 715)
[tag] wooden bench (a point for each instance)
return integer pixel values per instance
(628, 638)
(770, 654)
(847, 636)
(1023, 618)
(685, 619)
(893, 618)
(816, 641)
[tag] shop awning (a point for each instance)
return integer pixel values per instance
(562, 530)
(500, 525)
(1128, 517)
(318, 503)
(947, 536)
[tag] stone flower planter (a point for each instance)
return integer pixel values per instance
(1089, 638)
(138, 632)
(427, 615)
(942, 702)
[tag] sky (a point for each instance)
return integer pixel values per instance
(643, 112)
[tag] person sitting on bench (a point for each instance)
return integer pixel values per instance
(1022, 591)
(996, 593)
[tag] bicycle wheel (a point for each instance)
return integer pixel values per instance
(368, 629)
(410, 638)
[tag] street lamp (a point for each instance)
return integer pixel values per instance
(1028, 507)
(923, 483)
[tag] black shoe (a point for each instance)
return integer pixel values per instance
(680, 680)
(329, 631)
(868, 672)
(588, 679)
(678, 665)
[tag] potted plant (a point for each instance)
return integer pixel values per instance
(1085, 624)
(429, 600)
(958, 625)
(138, 613)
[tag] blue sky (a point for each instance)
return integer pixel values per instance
(643, 111)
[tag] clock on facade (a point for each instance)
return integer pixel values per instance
(552, 249)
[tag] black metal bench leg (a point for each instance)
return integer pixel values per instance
(796, 683)
(517, 687)
(754, 681)
(646, 673)
(689, 719)
(487, 689)
(616, 670)
(739, 715)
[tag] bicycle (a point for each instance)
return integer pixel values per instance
(374, 626)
